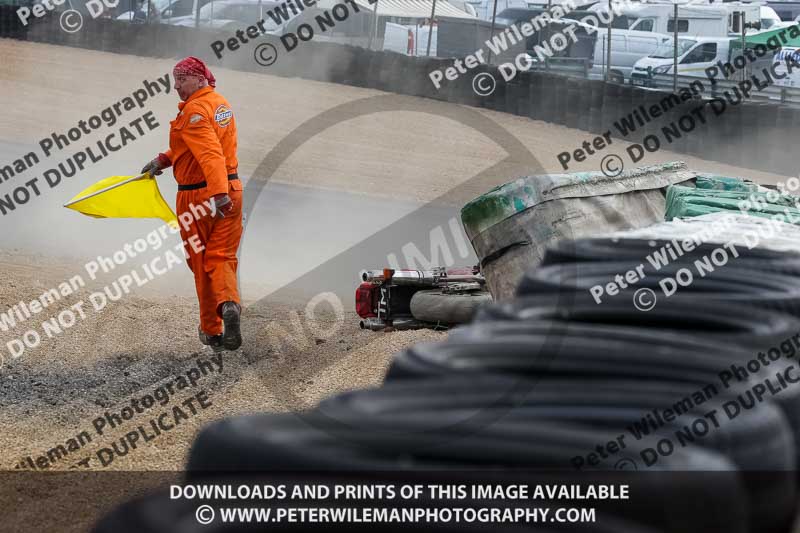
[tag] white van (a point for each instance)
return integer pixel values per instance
(717, 20)
(627, 47)
(792, 79)
(786, 10)
(694, 56)
(770, 19)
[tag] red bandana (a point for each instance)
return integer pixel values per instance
(191, 66)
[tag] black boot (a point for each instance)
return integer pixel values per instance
(232, 338)
(214, 341)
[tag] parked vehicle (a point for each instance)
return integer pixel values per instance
(137, 12)
(627, 47)
(770, 18)
(694, 56)
(708, 20)
(355, 30)
(792, 79)
(577, 56)
(165, 11)
(231, 14)
(787, 11)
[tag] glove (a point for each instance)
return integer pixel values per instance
(155, 166)
(223, 205)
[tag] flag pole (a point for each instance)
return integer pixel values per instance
(101, 191)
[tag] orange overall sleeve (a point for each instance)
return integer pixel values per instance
(200, 137)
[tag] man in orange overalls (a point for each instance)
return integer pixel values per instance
(202, 153)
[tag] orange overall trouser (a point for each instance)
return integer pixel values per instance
(214, 264)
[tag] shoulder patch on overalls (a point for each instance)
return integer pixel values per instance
(223, 115)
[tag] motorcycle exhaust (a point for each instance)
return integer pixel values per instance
(419, 277)
(372, 275)
(408, 323)
(373, 324)
(399, 324)
(402, 277)
(416, 277)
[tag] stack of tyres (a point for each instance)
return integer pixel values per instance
(612, 249)
(609, 406)
(567, 388)
(465, 449)
(576, 327)
(693, 320)
(614, 270)
(536, 340)
(540, 340)
(718, 278)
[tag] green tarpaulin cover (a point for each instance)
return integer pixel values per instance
(724, 183)
(691, 202)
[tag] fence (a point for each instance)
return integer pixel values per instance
(565, 66)
(788, 96)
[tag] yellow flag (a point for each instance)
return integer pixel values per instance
(123, 197)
